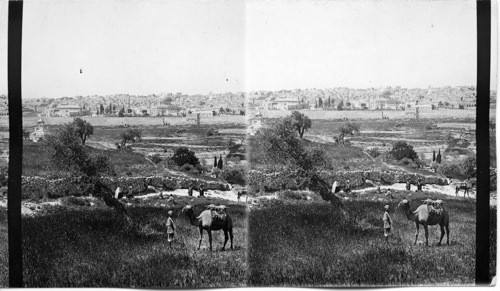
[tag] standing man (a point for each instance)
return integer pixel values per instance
(170, 228)
(202, 191)
(387, 223)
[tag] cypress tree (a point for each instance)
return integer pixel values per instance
(434, 155)
(215, 161)
(219, 165)
(438, 157)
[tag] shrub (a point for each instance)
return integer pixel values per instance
(374, 152)
(156, 158)
(451, 170)
(184, 156)
(74, 201)
(234, 176)
(292, 195)
(191, 168)
(402, 150)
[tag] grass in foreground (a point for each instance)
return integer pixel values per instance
(4, 249)
(313, 244)
(90, 246)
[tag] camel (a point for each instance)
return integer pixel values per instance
(429, 213)
(214, 218)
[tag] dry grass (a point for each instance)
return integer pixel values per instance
(4, 249)
(313, 244)
(92, 247)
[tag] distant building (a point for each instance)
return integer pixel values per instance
(285, 103)
(67, 111)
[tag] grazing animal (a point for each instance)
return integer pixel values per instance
(463, 186)
(429, 213)
(214, 218)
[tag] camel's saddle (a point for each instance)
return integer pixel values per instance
(218, 212)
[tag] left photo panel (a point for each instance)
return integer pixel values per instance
(134, 159)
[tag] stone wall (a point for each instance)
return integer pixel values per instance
(38, 188)
(269, 182)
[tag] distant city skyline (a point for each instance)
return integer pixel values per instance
(73, 48)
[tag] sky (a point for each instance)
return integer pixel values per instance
(150, 47)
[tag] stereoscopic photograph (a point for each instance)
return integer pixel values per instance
(209, 144)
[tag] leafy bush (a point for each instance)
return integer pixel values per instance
(234, 176)
(451, 170)
(74, 201)
(184, 156)
(374, 152)
(402, 150)
(156, 158)
(292, 195)
(193, 169)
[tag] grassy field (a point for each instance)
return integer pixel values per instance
(82, 246)
(306, 244)
(4, 250)
(38, 162)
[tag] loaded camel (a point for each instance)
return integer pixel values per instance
(214, 218)
(429, 213)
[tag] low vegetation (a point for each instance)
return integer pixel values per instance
(295, 242)
(77, 245)
(4, 249)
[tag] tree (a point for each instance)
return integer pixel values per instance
(438, 157)
(183, 155)
(281, 145)
(434, 155)
(101, 109)
(349, 128)
(300, 122)
(320, 102)
(469, 166)
(121, 113)
(83, 129)
(130, 135)
(220, 164)
(215, 161)
(68, 153)
(402, 150)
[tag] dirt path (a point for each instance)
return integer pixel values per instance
(227, 195)
(446, 189)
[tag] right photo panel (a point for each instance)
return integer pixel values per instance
(362, 143)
